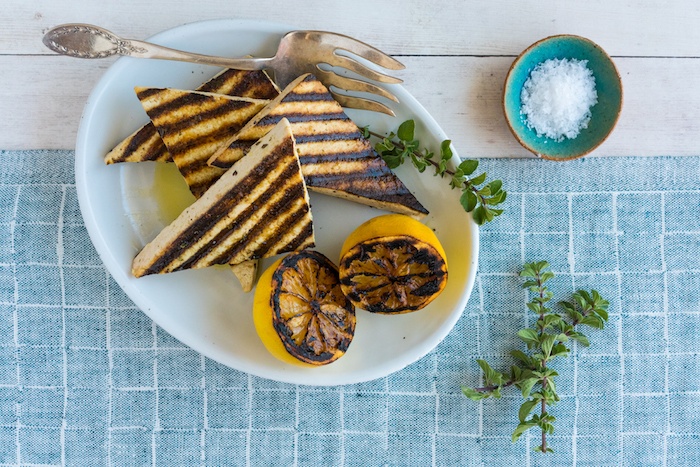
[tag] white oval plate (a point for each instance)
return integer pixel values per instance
(206, 309)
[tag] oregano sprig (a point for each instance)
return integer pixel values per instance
(477, 197)
(545, 341)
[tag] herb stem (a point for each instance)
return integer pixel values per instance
(543, 405)
(543, 413)
(492, 388)
(468, 184)
(400, 145)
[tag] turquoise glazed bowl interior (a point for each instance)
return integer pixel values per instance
(604, 114)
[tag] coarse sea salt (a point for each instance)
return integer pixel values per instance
(557, 98)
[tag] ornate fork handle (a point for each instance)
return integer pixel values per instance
(87, 41)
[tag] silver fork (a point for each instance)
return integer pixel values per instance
(299, 52)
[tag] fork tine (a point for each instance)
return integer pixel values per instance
(353, 65)
(359, 48)
(330, 78)
(361, 103)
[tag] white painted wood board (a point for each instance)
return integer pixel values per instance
(456, 53)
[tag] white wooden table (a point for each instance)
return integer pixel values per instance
(457, 54)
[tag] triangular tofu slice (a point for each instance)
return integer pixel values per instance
(193, 125)
(335, 158)
(258, 208)
(146, 145)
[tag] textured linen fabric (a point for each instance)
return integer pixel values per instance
(86, 379)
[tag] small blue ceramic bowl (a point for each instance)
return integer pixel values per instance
(604, 114)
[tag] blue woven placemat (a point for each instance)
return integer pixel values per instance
(86, 379)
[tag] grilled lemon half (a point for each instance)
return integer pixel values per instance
(392, 264)
(300, 312)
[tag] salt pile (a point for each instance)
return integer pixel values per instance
(557, 98)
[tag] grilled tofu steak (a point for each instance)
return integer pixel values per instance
(258, 208)
(193, 125)
(146, 145)
(335, 158)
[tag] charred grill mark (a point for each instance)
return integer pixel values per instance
(172, 123)
(162, 108)
(384, 188)
(271, 120)
(223, 82)
(141, 140)
(146, 93)
(253, 84)
(380, 308)
(205, 179)
(258, 231)
(365, 156)
(321, 137)
(347, 180)
(314, 96)
(298, 214)
(298, 221)
(196, 169)
(180, 147)
(158, 153)
(420, 253)
(304, 238)
(244, 143)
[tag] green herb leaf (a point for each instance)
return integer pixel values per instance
(474, 394)
(551, 320)
(468, 166)
(479, 215)
(445, 150)
(546, 344)
(468, 201)
(527, 385)
(529, 336)
(479, 180)
(495, 186)
(393, 161)
(526, 408)
(490, 375)
(593, 321)
(559, 350)
(521, 356)
(520, 429)
(581, 339)
(406, 130)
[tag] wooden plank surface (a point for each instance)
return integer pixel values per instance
(437, 27)
(457, 55)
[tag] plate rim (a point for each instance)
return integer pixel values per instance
(107, 257)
